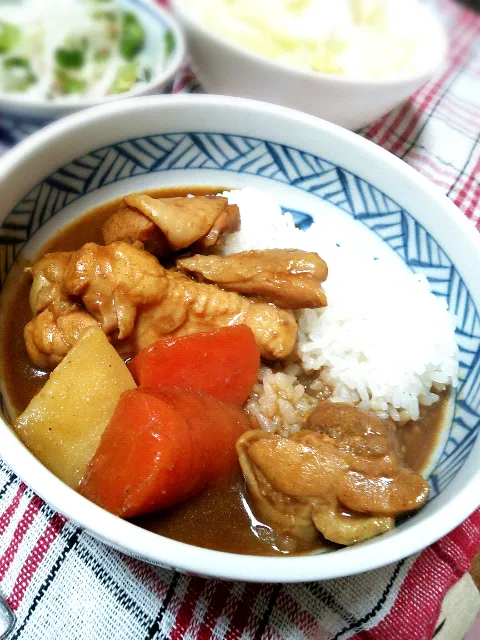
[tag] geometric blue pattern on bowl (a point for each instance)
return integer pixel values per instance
(253, 156)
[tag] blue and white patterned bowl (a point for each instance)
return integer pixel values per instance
(310, 166)
(21, 116)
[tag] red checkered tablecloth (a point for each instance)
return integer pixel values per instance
(63, 584)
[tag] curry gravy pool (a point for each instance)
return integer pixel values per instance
(219, 518)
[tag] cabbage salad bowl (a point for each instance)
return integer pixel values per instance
(151, 50)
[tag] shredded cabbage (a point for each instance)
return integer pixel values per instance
(355, 38)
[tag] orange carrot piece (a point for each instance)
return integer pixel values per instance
(223, 363)
(162, 447)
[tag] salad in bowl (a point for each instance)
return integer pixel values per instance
(57, 57)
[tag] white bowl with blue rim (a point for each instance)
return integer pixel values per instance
(163, 50)
(310, 166)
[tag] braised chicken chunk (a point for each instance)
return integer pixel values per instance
(94, 285)
(341, 476)
(191, 307)
(47, 290)
(48, 337)
(166, 225)
(287, 277)
(136, 301)
(130, 225)
(113, 282)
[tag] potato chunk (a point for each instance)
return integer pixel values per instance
(64, 422)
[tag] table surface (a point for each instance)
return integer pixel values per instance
(61, 583)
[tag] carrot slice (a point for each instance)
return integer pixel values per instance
(223, 363)
(162, 447)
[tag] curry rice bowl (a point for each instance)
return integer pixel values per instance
(384, 342)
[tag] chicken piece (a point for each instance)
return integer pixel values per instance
(113, 281)
(94, 285)
(48, 338)
(344, 527)
(227, 221)
(371, 441)
(282, 495)
(287, 277)
(164, 225)
(47, 291)
(377, 481)
(109, 282)
(136, 301)
(288, 516)
(392, 495)
(297, 469)
(191, 307)
(349, 484)
(129, 225)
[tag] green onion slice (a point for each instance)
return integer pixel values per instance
(18, 74)
(73, 58)
(125, 78)
(9, 36)
(169, 42)
(132, 36)
(68, 83)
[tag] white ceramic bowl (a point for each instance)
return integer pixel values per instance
(20, 115)
(308, 165)
(226, 68)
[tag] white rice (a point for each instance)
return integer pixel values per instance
(279, 403)
(384, 342)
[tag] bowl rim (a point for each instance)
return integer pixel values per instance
(51, 108)
(436, 33)
(187, 558)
